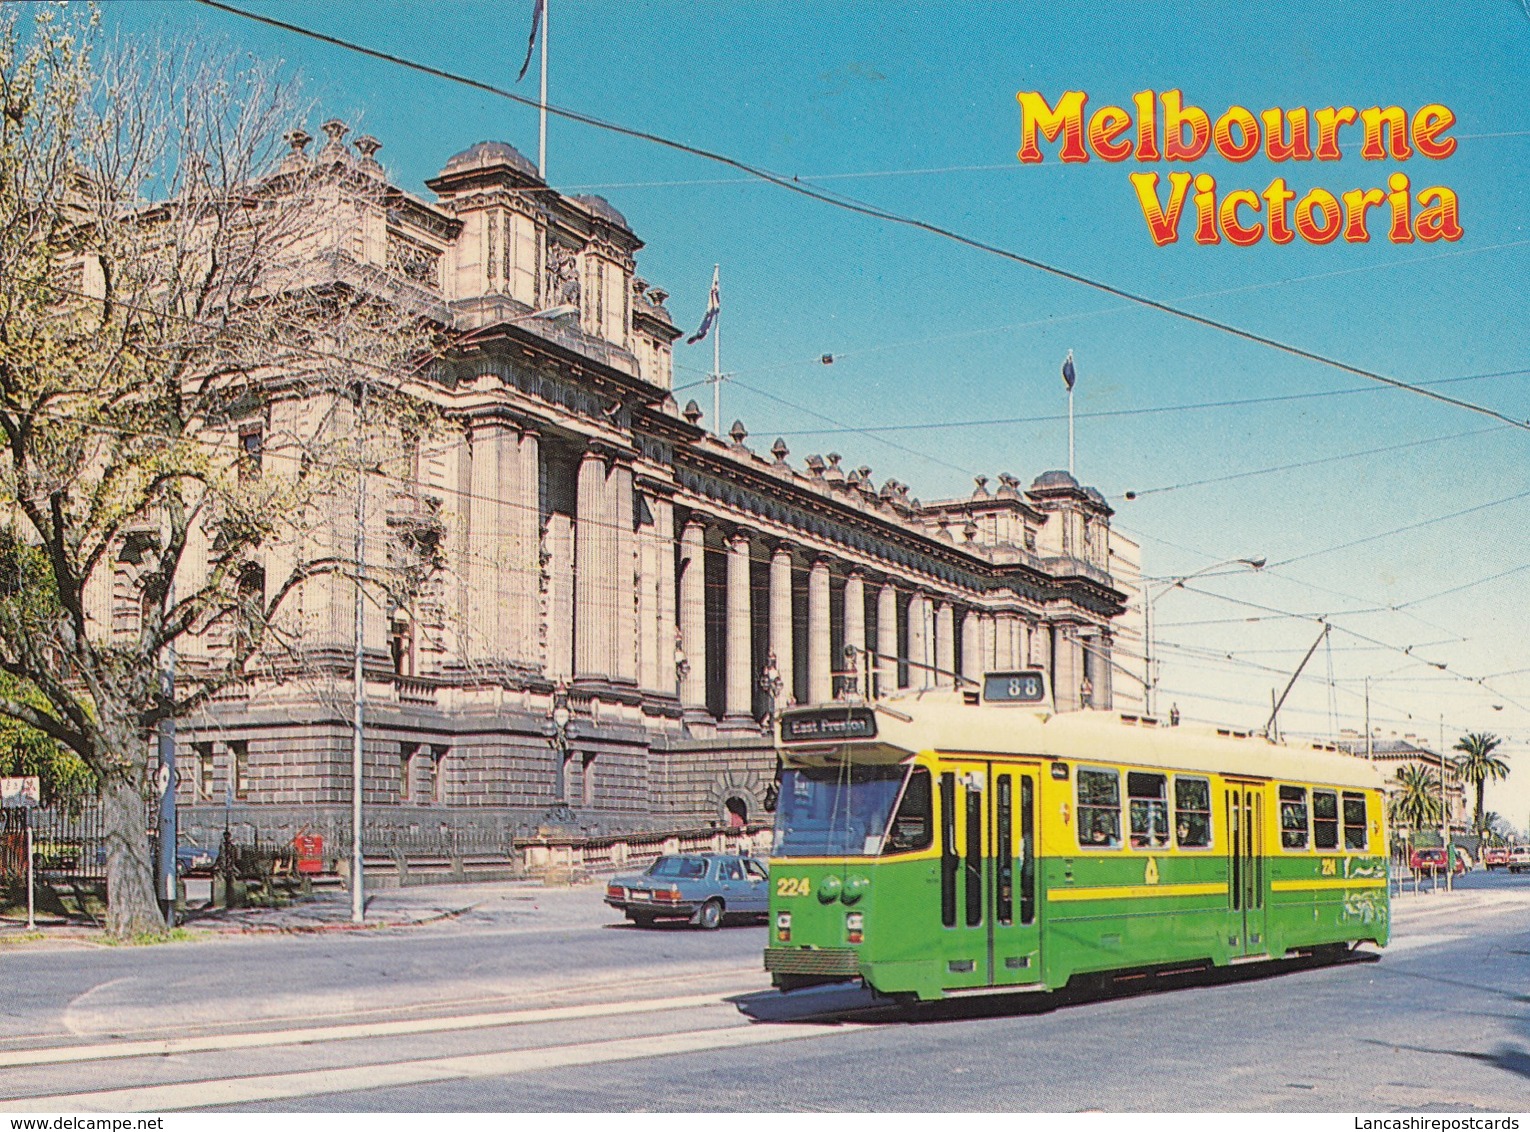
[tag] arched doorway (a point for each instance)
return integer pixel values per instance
(738, 812)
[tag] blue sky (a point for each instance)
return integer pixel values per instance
(912, 108)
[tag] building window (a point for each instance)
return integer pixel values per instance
(1099, 809)
(239, 769)
(252, 443)
(1192, 812)
(251, 607)
(1148, 801)
(408, 768)
(401, 645)
(1354, 820)
(1325, 819)
(438, 775)
(1293, 817)
(589, 778)
(204, 770)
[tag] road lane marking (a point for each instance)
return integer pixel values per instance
(286, 1086)
(58, 1055)
(1409, 942)
(523, 990)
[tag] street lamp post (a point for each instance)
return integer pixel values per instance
(1150, 679)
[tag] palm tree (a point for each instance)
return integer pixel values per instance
(1416, 803)
(1478, 764)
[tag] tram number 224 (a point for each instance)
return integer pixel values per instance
(791, 886)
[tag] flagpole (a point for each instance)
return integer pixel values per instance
(542, 134)
(1069, 376)
(717, 368)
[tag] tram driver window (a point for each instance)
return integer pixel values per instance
(1354, 820)
(913, 826)
(1099, 809)
(1325, 819)
(1293, 817)
(1192, 812)
(1148, 801)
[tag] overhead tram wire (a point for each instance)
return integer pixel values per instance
(851, 204)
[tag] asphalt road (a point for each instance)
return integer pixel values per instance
(538, 1000)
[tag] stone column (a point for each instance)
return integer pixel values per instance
(1038, 639)
(664, 527)
(693, 615)
(919, 675)
(485, 605)
(649, 638)
(887, 639)
(972, 646)
(820, 671)
(522, 519)
(855, 628)
(945, 645)
(781, 619)
(594, 574)
(1066, 670)
(990, 659)
(739, 678)
(622, 572)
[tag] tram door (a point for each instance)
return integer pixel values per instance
(1244, 812)
(988, 875)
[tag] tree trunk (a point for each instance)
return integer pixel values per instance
(131, 906)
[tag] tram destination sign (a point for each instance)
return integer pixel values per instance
(819, 724)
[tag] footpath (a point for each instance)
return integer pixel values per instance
(502, 904)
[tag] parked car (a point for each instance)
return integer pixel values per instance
(1495, 857)
(194, 860)
(704, 888)
(1519, 858)
(1433, 861)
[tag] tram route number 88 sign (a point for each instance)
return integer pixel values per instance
(1014, 688)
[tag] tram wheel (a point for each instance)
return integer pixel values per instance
(711, 915)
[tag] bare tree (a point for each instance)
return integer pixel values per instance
(196, 363)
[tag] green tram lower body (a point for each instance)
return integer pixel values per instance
(905, 929)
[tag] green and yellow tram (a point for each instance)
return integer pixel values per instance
(964, 841)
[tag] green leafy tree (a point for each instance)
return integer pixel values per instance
(1416, 801)
(168, 273)
(1478, 765)
(24, 750)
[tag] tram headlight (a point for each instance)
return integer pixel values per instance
(784, 927)
(855, 923)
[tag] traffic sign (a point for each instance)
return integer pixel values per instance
(20, 793)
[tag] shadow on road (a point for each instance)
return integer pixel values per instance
(853, 1002)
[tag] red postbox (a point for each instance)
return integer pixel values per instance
(309, 850)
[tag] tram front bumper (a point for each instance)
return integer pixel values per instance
(829, 962)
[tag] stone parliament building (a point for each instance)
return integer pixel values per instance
(627, 595)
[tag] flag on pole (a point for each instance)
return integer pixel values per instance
(714, 304)
(536, 26)
(1068, 375)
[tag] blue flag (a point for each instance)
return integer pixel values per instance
(714, 304)
(1068, 375)
(536, 24)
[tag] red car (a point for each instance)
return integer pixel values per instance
(1433, 861)
(1496, 857)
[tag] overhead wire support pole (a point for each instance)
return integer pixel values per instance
(542, 110)
(358, 689)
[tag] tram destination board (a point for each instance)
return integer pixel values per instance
(819, 724)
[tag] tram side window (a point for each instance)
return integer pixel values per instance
(1192, 812)
(1325, 819)
(1293, 817)
(1099, 809)
(1354, 820)
(913, 826)
(1148, 800)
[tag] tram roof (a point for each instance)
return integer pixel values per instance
(944, 721)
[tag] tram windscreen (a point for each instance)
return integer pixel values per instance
(835, 810)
